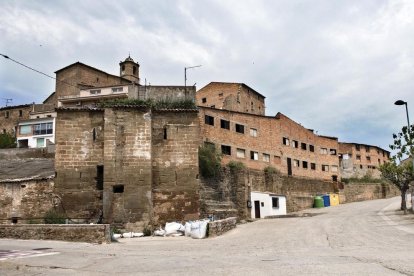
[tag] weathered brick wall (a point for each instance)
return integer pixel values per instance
(98, 233)
(79, 150)
(231, 96)
(175, 142)
(10, 117)
(127, 163)
(26, 200)
(79, 76)
(219, 227)
(269, 141)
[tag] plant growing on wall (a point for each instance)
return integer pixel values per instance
(159, 104)
(236, 166)
(7, 140)
(400, 174)
(54, 217)
(209, 161)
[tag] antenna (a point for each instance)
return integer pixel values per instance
(7, 100)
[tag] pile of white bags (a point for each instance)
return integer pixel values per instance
(199, 229)
(195, 229)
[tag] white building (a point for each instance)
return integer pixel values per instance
(36, 133)
(267, 204)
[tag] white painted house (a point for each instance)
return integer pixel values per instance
(267, 204)
(36, 133)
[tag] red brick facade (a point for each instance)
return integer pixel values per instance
(231, 96)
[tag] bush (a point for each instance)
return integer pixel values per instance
(54, 217)
(209, 161)
(271, 170)
(236, 165)
(159, 104)
(7, 140)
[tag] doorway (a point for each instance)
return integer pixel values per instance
(257, 209)
(289, 164)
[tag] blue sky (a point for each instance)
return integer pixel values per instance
(333, 66)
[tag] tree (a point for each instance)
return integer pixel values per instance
(7, 140)
(209, 161)
(401, 174)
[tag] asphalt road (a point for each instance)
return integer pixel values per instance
(364, 238)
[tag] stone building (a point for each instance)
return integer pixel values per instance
(10, 116)
(359, 160)
(135, 165)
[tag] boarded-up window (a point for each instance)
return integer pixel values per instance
(278, 160)
(241, 153)
(253, 132)
(295, 144)
(266, 157)
(334, 168)
(296, 163)
(325, 168)
(324, 151)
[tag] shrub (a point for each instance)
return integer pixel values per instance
(159, 104)
(235, 165)
(7, 140)
(271, 170)
(54, 217)
(209, 161)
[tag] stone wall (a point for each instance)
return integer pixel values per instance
(23, 153)
(97, 233)
(366, 191)
(219, 227)
(10, 116)
(26, 201)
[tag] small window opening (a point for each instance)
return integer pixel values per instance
(134, 70)
(99, 177)
(204, 100)
(311, 148)
(254, 155)
(285, 141)
(209, 120)
(275, 202)
(313, 166)
(118, 189)
(335, 178)
(7, 114)
(165, 133)
(94, 134)
(239, 128)
(225, 124)
(303, 146)
(20, 113)
(14, 220)
(304, 164)
(225, 150)
(295, 144)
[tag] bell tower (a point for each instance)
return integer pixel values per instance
(129, 69)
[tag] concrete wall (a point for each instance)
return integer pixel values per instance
(98, 233)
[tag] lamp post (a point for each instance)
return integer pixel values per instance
(401, 102)
(185, 77)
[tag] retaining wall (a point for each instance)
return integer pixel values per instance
(219, 227)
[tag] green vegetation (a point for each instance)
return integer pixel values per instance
(54, 217)
(7, 140)
(160, 104)
(367, 178)
(236, 166)
(209, 161)
(271, 170)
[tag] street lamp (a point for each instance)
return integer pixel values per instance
(185, 75)
(401, 102)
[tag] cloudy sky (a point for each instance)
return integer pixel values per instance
(333, 66)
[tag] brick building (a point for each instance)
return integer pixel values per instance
(231, 96)
(358, 160)
(137, 165)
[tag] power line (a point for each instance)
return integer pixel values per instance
(37, 71)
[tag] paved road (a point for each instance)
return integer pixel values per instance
(365, 238)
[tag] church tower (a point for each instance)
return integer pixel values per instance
(129, 69)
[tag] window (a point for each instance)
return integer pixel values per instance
(285, 141)
(324, 151)
(225, 150)
(213, 106)
(117, 89)
(295, 144)
(225, 124)
(253, 132)
(275, 202)
(296, 163)
(20, 113)
(239, 128)
(241, 153)
(358, 157)
(204, 100)
(40, 142)
(123, 68)
(332, 151)
(209, 120)
(369, 159)
(367, 148)
(334, 168)
(325, 168)
(99, 177)
(266, 157)
(254, 155)
(220, 95)
(7, 114)
(303, 146)
(25, 130)
(304, 164)
(379, 161)
(94, 134)
(313, 166)
(311, 148)
(43, 128)
(357, 147)
(95, 91)
(118, 189)
(134, 70)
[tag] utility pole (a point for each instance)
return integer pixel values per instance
(185, 77)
